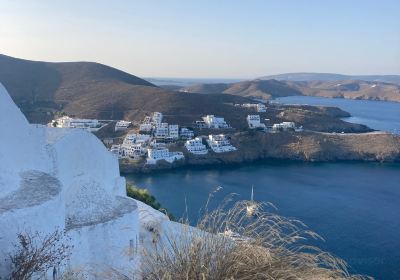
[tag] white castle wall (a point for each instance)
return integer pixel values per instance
(60, 178)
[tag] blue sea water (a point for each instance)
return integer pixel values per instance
(355, 207)
(379, 115)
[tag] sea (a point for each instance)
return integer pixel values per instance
(354, 206)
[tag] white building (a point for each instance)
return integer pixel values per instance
(157, 118)
(173, 131)
(220, 144)
(212, 121)
(66, 181)
(284, 126)
(67, 122)
(133, 150)
(157, 144)
(122, 125)
(145, 127)
(253, 121)
(136, 138)
(116, 150)
(166, 131)
(161, 131)
(196, 146)
(261, 108)
(201, 124)
(155, 155)
(186, 133)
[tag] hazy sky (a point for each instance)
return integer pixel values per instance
(209, 39)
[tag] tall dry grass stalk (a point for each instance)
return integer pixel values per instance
(228, 243)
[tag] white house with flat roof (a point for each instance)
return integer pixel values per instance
(253, 122)
(136, 138)
(122, 125)
(196, 146)
(173, 131)
(283, 126)
(116, 150)
(186, 133)
(261, 108)
(157, 118)
(161, 131)
(220, 143)
(154, 155)
(67, 122)
(133, 150)
(212, 121)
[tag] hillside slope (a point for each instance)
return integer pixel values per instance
(350, 89)
(93, 90)
(269, 89)
(258, 89)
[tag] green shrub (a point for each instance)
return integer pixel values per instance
(144, 196)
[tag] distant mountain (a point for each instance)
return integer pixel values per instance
(256, 89)
(332, 77)
(350, 89)
(93, 90)
(269, 89)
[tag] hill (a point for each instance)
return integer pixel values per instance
(257, 89)
(269, 89)
(93, 90)
(332, 77)
(350, 89)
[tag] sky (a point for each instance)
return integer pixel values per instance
(208, 38)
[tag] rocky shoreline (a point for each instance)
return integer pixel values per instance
(306, 146)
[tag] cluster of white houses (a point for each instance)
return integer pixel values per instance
(154, 134)
(151, 140)
(139, 145)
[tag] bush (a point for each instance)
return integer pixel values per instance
(144, 196)
(35, 254)
(230, 243)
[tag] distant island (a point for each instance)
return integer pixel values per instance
(271, 87)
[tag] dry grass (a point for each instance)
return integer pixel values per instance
(227, 243)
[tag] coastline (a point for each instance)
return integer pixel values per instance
(307, 147)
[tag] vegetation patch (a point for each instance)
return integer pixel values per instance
(144, 196)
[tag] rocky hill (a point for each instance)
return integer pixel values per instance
(92, 90)
(257, 89)
(350, 89)
(269, 89)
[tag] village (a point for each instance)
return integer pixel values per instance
(151, 140)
